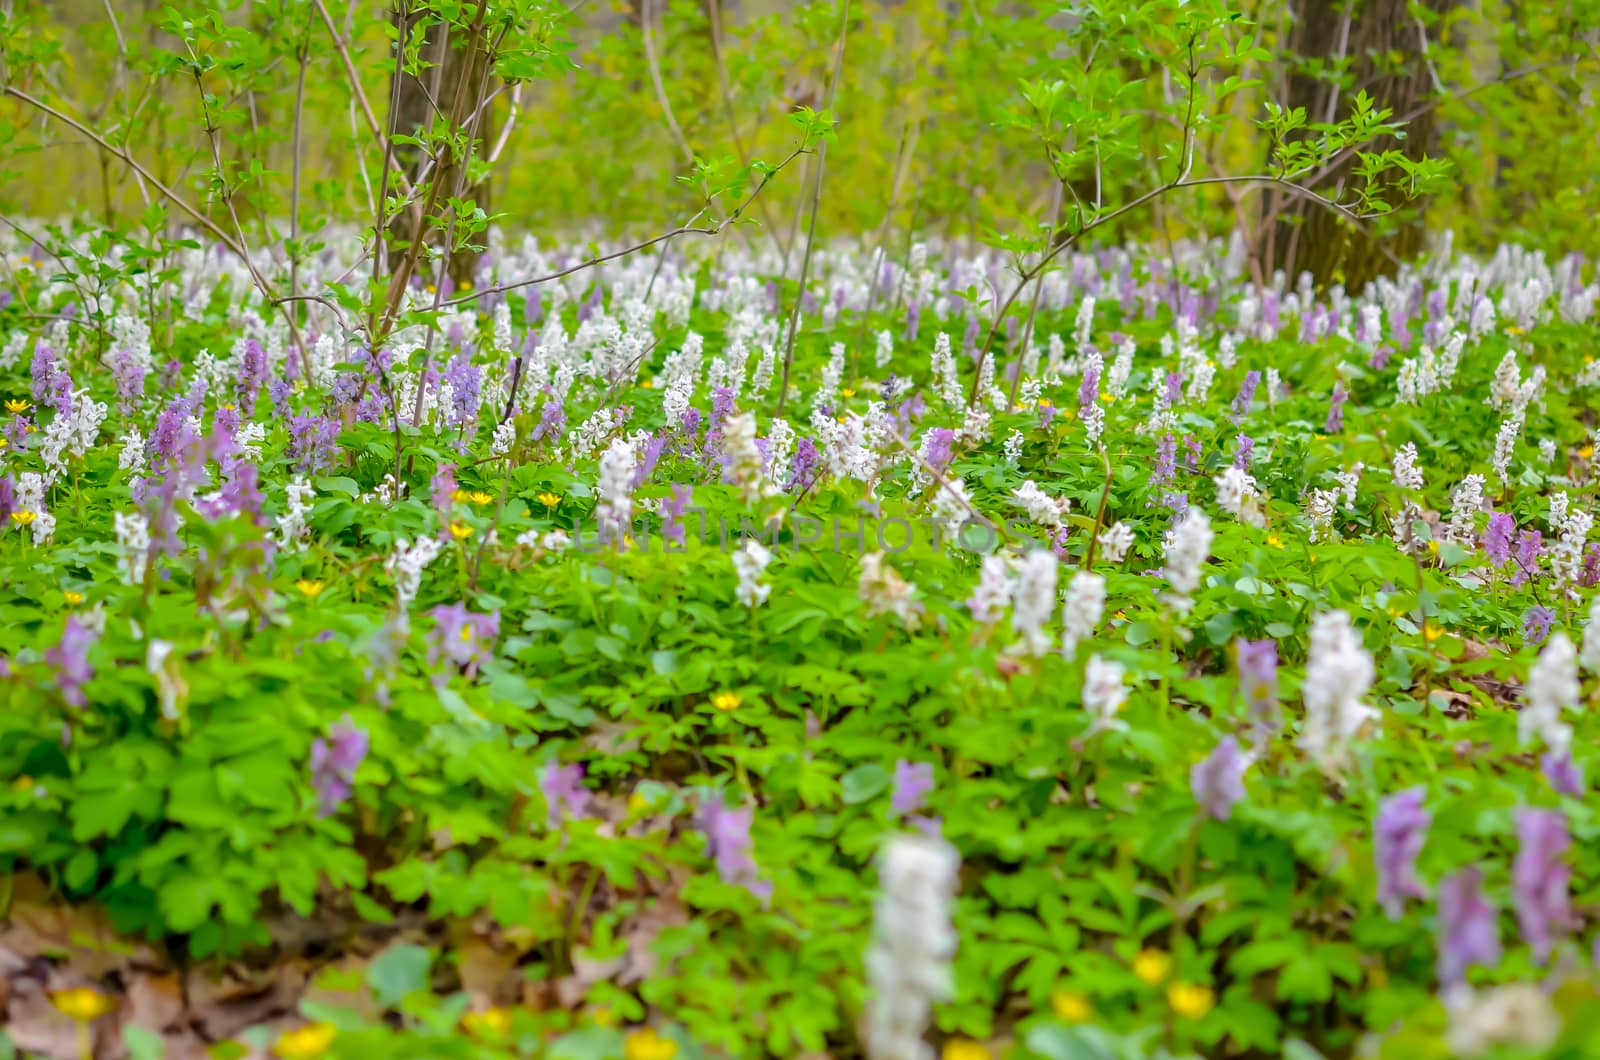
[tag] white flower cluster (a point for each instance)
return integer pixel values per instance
(292, 523)
(1082, 610)
(913, 942)
(885, 592)
(1033, 599)
(749, 563)
(744, 461)
(1043, 509)
(614, 510)
(1238, 496)
(133, 541)
(1339, 672)
(1187, 546)
(1552, 685)
(406, 564)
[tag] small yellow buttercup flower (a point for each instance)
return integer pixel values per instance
(1071, 1006)
(646, 1044)
(1433, 546)
(1189, 1000)
(847, 392)
(964, 1049)
(17, 406)
(1045, 403)
(1152, 966)
(310, 587)
(491, 1023)
(480, 497)
(83, 1004)
(73, 599)
(466, 285)
(23, 518)
(1106, 395)
(726, 700)
(549, 500)
(1274, 540)
(1431, 632)
(1586, 451)
(306, 1043)
(459, 530)
(647, 384)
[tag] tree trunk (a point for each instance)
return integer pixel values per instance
(451, 91)
(1383, 44)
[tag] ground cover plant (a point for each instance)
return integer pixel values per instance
(1044, 623)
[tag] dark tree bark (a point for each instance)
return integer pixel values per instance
(1383, 42)
(451, 90)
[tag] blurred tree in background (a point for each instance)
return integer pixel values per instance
(580, 118)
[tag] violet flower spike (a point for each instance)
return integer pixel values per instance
(1218, 780)
(1469, 927)
(1541, 879)
(912, 782)
(1397, 839)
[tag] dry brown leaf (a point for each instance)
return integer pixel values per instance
(342, 984)
(486, 972)
(226, 1003)
(155, 1002)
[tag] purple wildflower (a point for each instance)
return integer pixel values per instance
(1497, 537)
(465, 380)
(1536, 622)
(1244, 447)
(129, 376)
(649, 456)
(1335, 421)
(442, 491)
(1089, 388)
(464, 638)
(1563, 774)
(912, 782)
(70, 658)
(1590, 577)
(1247, 393)
(1166, 460)
(969, 337)
(563, 790)
(1218, 780)
(673, 509)
(252, 374)
(913, 320)
(936, 449)
(334, 763)
(1174, 387)
(313, 442)
(1469, 927)
(1257, 661)
(8, 501)
(803, 465)
(728, 840)
(1530, 546)
(1541, 879)
(1397, 838)
(552, 421)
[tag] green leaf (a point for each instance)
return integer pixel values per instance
(863, 783)
(399, 970)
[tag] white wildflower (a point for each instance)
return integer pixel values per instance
(1104, 693)
(1115, 540)
(1187, 546)
(913, 941)
(749, 562)
(1338, 674)
(1552, 685)
(1082, 610)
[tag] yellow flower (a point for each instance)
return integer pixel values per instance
(1274, 540)
(1152, 966)
(847, 392)
(1586, 451)
(466, 285)
(227, 407)
(4, 442)
(1045, 403)
(306, 1043)
(83, 1004)
(17, 406)
(73, 599)
(1189, 1000)
(1433, 546)
(310, 587)
(480, 497)
(549, 500)
(459, 530)
(1106, 395)
(459, 496)
(646, 1044)
(22, 783)
(1431, 632)
(492, 1023)
(23, 518)
(964, 1049)
(648, 384)
(432, 289)
(1514, 330)
(726, 700)
(1071, 1006)
(637, 803)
